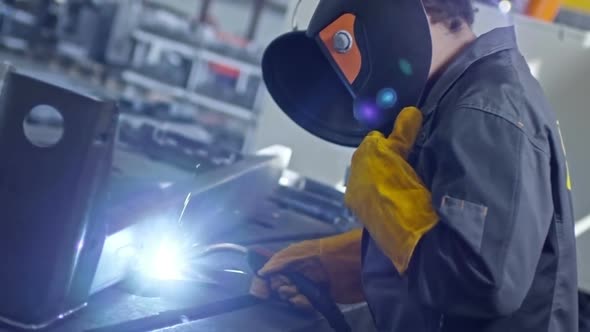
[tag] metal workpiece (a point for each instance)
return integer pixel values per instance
(56, 146)
(42, 325)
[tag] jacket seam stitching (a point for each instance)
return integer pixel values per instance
(533, 143)
(516, 74)
(522, 92)
(515, 203)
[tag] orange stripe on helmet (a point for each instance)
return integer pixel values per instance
(349, 62)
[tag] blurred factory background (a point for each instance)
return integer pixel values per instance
(186, 77)
(192, 67)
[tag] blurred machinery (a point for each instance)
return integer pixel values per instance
(85, 29)
(79, 29)
(28, 24)
(136, 48)
(195, 64)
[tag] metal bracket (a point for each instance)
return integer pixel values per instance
(53, 168)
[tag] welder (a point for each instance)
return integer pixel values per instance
(460, 178)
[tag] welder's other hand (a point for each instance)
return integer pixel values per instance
(280, 287)
(260, 288)
(386, 194)
(333, 262)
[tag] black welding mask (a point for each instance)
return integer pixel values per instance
(354, 69)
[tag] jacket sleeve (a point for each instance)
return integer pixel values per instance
(492, 191)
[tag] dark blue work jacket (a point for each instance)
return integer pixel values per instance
(502, 257)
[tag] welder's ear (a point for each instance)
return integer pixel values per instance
(406, 129)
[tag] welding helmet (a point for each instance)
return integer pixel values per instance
(352, 71)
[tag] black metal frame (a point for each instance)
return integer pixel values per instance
(49, 242)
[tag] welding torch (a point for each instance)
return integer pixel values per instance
(318, 296)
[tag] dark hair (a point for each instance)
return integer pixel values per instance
(451, 12)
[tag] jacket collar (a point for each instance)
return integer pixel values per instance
(497, 40)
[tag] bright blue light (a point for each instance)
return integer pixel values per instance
(386, 98)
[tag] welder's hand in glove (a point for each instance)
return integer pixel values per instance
(385, 193)
(333, 262)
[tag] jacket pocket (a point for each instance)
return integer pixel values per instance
(466, 218)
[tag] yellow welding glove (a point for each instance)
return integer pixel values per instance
(385, 193)
(334, 262)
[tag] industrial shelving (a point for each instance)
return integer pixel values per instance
(148, 44)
